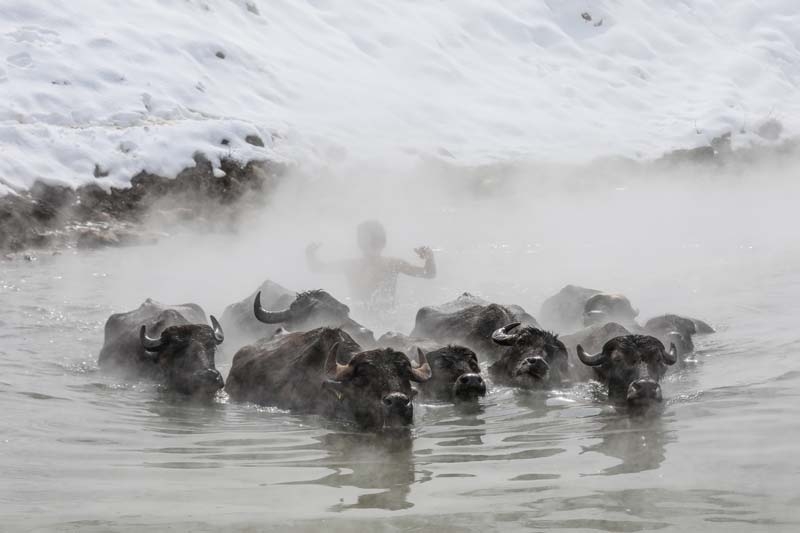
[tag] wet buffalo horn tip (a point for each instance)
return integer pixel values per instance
(591, 360)
(671, 357)
(219, 335)
(268, 317)
(502, 337)
(149, 343)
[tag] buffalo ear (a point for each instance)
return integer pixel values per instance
(422, 372)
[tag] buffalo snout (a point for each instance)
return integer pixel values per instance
(535, 367)
(207, 380)
(644, 391)
(469, 386)
(397, 409)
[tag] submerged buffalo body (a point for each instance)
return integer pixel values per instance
(564, 311)
(531, 358)
(605, 307)
(631, 366)
(469, 321)
(241, 325)
(406, 344)
(575, 307)
(324, 371)
(677, 330)
(170, 344)
(273, 308)
(314, 309)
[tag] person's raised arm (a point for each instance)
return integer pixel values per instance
(426, 271)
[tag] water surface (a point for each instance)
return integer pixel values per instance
(82, 451)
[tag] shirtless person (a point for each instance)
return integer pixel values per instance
(373, 277)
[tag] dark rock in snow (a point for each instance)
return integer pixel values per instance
(255, 140)
(51, 216)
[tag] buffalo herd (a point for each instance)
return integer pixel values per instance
(304, 352)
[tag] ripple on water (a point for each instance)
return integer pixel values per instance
(42, 396)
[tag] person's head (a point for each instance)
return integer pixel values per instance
(371, 237)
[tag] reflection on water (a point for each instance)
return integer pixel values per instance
(82, 451)
(638, 442)
(381, 462)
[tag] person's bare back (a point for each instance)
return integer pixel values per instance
(373, 277)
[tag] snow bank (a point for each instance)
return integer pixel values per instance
(108, 88)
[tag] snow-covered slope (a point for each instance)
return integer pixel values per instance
(128, 85)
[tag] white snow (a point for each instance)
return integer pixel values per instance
(140, 85)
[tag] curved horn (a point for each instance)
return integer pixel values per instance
(421, 373)
(151, 345)
(219, 335)
(268, 317)
(671, 357)
(591, 360)
(333, 369)
(502, 337)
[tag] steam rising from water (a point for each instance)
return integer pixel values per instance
(511, 233)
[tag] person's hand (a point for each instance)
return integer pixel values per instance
(424, 252)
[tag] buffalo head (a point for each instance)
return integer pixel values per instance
(632, 366)
(603, 307)
(185, 356)
(534, 357)
(673, 329)
(456, 374)
(374, 387)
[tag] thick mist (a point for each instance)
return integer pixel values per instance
(669, 238)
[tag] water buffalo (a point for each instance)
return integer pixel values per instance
(456, 373)
(313, 309)
(325, 371)
(677, 330)
(564, 311)
(241, 325)
(606, 307)
(469, 321)
(531, 357)
(575, 307)
(272, 307)
(170, 344)
(631, 366)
